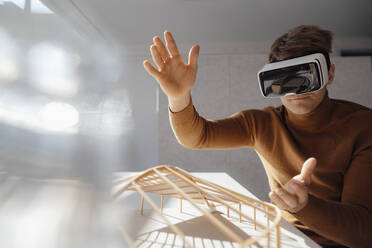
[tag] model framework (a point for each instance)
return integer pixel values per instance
(170, 181)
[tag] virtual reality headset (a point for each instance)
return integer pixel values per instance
(295, 76)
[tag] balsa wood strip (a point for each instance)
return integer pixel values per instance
(171, 226)
(155, 185)
(244, 199)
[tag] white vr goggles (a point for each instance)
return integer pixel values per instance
(294, 76)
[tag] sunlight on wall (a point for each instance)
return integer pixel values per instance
(9, 67)
(19, 3)
(53, 117)
(59, 116)
(51, 69)
(36, 7)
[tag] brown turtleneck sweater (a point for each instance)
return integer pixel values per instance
(337, 133)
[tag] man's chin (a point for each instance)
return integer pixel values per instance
(299, 110)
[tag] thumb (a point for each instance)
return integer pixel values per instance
(193, 56)
(307, 170)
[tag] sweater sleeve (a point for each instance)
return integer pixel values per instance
(195, 132)
(348, 222)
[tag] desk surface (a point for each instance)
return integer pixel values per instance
(150, 230)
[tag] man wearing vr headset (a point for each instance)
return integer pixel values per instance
(319, 168)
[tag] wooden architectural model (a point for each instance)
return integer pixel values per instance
(205, 196)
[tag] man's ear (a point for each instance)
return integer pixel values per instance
(331, 74)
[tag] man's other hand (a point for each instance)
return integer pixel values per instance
(293, 196)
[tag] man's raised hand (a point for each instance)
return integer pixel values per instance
(293, 196)
(174, 76)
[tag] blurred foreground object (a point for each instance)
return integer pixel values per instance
(55, 191)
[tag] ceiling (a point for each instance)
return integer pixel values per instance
(131, 24)
(137, 21)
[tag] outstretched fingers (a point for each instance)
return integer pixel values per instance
(161, 48)
(156, 57)
(150, 69)
(193, 56)
(171, 44)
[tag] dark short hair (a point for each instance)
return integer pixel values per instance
(302, 40)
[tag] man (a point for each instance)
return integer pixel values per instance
(317, 151)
